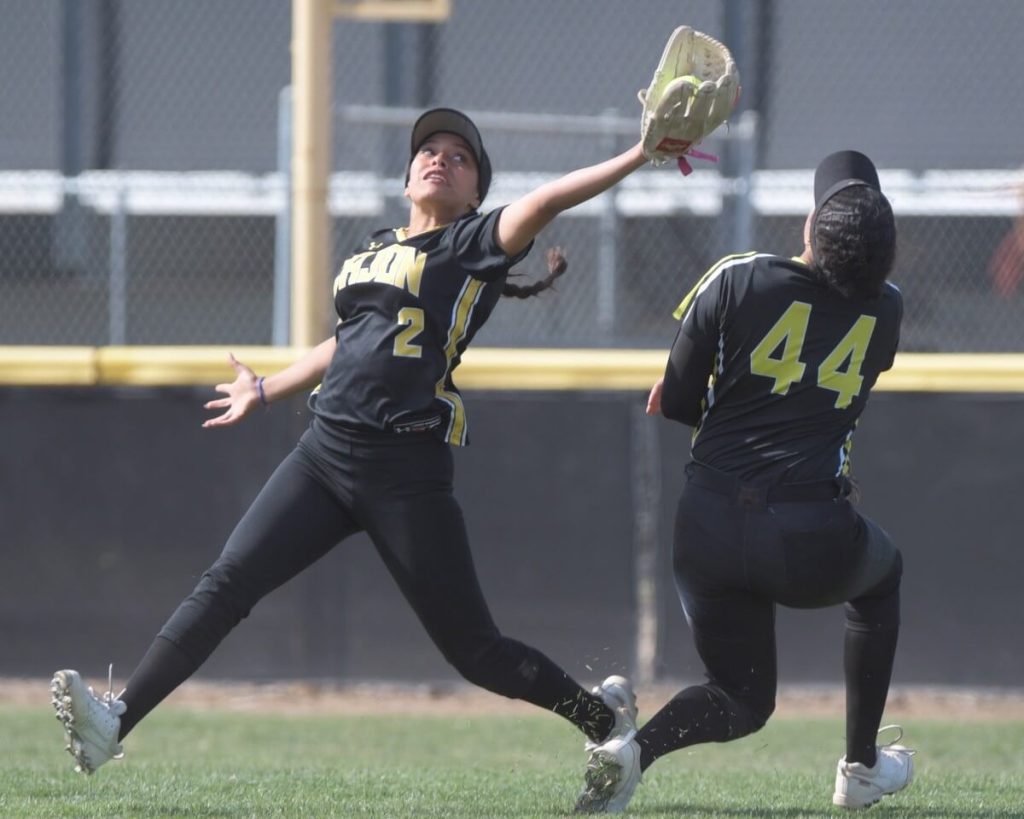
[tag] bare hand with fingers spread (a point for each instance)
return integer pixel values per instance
(243, 396)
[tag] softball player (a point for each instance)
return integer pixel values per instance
(772, 365)
(376, 457)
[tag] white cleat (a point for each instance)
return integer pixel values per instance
(92, 723)
(858, 786)
(617, 693)
(613, 772)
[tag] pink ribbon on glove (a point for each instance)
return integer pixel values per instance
(685, 168)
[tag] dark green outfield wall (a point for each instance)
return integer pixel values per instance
(112, 502)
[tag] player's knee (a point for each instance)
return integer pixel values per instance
(220, 600)
(747, 711)
(476, 674)
(879, 609)
(760, 714)
(869, 615)
(476, 663)
(496, 664)
(228, 589)
(755, 712)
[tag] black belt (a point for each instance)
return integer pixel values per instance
(760, 494)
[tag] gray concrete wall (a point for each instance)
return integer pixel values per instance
(112, 502)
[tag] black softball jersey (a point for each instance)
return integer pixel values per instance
(773, 368)
(407, 308)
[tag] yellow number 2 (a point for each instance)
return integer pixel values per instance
(413, 322)
(785, 367)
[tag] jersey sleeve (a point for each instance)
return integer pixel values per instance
(476, 248)
(698, 312)
(899, 325)
(685, 382)
(895, 299)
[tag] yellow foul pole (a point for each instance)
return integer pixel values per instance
(311, 123)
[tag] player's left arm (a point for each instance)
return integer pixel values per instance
(897, 325)
(522, 220)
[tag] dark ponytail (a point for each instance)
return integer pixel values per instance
(556, 267)
(854, 242)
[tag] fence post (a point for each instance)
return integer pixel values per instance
(280, 335)
(69, 224)
(607, 242)
(645, 470)
(117, 305)
(311, 135)
(739, 194)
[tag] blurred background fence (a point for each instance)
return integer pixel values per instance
(144, 183)
(143, 156)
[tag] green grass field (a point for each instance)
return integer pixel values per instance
(213, 764)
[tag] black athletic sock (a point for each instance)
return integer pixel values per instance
(556, 691)
(867, 661)
(162, 669)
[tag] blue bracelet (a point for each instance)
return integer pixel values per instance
(259, 389)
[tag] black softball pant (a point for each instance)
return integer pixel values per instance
(399, 490)
(735, 557)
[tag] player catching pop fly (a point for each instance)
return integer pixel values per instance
(772, 365)
(376, 457)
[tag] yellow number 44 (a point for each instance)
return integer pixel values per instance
(785, 368)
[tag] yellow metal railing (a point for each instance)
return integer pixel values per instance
(482, 369)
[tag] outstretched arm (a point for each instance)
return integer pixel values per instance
(243, 394)
(522, 220)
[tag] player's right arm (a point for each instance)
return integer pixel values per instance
(684, 386)
(523, 219)
(685, 383)
(243, 394)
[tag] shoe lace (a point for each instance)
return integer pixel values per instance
(109, 696)
(112, 702)
(894, 745)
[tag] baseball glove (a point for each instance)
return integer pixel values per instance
(693, 91)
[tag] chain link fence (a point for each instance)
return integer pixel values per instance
(142, 197)
(134, 140)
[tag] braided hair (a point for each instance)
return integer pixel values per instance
(854, 242)
(557, 265)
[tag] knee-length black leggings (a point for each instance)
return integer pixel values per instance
(734, 561)
(399, 490)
